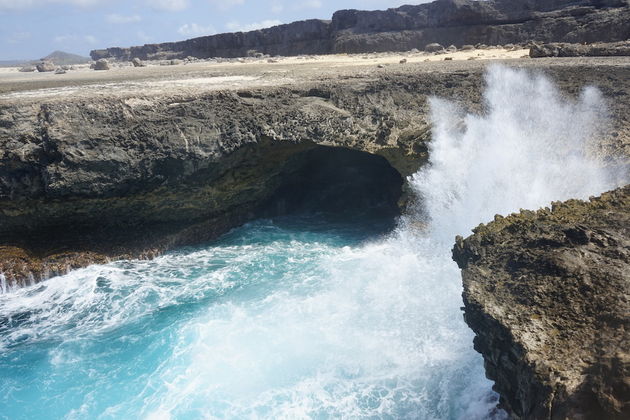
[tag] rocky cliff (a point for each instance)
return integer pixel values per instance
(547, 294)
(448, 22)
(144, 160)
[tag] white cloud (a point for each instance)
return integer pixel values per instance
(234, 26)
(276, 7)
(66, 39)
(308, 4)
(193, 29)
(169, 5)
(18, 37)
(28, 4)
(142, 36)
(119, 19)
(226, 4)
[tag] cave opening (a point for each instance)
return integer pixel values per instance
(338, 182)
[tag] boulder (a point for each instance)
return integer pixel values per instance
(467, 47)
(137, 62)
(28, 69)
(45, 66)
(433, 47)
(101, 64)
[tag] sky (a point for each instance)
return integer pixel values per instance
(31, 29)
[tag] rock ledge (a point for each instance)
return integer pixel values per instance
(546, 294)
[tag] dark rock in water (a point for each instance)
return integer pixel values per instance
(403, 61)
(137, 62)
(45, 66)
(580, 50)
(28, 69)
(101, 64)
(455, 22)
(547, 294)
(434, 47)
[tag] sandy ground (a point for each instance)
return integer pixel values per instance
(211, 75)
(197, 77)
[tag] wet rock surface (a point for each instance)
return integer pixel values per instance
(456, 22)
(547, 294)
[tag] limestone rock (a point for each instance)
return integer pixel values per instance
(547, 294)
(28, 69)
(101, 64)
(45, 66)
(434, 47)
(137, 62)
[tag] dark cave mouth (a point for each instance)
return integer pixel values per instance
(337, 182)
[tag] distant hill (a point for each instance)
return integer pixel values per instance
(58, 57)
(63, 58)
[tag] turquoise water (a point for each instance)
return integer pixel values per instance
(299, 317)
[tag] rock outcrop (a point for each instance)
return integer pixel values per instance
(456, 22)
(600, 49)
(547, 294)
(101, 64)
(126, 169)
(45, 66)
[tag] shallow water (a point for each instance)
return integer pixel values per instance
(307, 317)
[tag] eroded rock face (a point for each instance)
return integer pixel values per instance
(547, 294)
(456, 22)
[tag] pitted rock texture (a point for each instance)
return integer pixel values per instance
(456, 22)
(547, 294)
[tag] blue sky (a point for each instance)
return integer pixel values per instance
(31, 29)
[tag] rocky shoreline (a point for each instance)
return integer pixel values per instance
(547, 295)
(132, 170)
